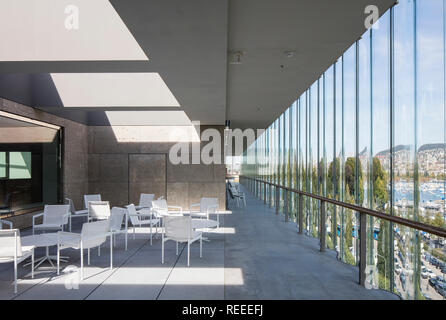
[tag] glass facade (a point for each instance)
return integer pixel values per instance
(371, 131)
(29, 165)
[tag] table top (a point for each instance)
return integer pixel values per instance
(44, 239)
(203, 223)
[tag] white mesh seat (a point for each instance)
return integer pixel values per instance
(54, 218)
(145, 201)
(142, 218)
(118, 217)
(179, 229)
(91, 197)
(93, 235)
(11, 250)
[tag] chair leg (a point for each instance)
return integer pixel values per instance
(88, 256)
(177, 247)
(162, 251)
(32, 265)
(134, 233)
(111, 252)
(125, 240)
(58, 259)
(15, 276)
(188, 253)
(150, 233)
(99, 251)
(82, 264)
(201, 247)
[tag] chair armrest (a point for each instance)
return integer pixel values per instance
(175, 207)
(36, 216)
(67, 215)
(68, 233)
(9, 223)
(193, 205)
(215, 207)
(140, 215)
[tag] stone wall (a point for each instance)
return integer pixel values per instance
(120, 169)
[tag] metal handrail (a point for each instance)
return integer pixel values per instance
(405, 222)
(362, 219)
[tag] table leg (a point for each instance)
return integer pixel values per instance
(47, 257)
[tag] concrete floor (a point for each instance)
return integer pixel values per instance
(254, 255)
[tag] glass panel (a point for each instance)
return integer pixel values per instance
(2, 165)
(365, 137)
(330, 149)
(430, 127)
(19, 165)
(338, 169)
(313, 158)
(349, 150)
(381, 145)
(303, 151)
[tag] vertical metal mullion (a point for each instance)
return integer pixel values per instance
(318, 170)
(342, 162)
(359, 254)
(361, 229)
(333, 169)
(370, 168)
(322, 227)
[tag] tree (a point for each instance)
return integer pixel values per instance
(379, 179)
(350, 176)
(330, 187)
(439, 221)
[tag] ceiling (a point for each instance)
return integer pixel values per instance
(187, 44)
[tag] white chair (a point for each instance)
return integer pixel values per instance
(11, 250)
(74, 212)
(139, 219)
(91, 197)
(160, 208)
(117, 217)
(179, 229)
(206, 206)
(98, 210)
(145, 201)
(93, 235)
(54, 218)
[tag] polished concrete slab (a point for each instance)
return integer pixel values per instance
(254, 255)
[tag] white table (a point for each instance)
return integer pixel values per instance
(204, 214)
(43, 240)
(203, 223)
